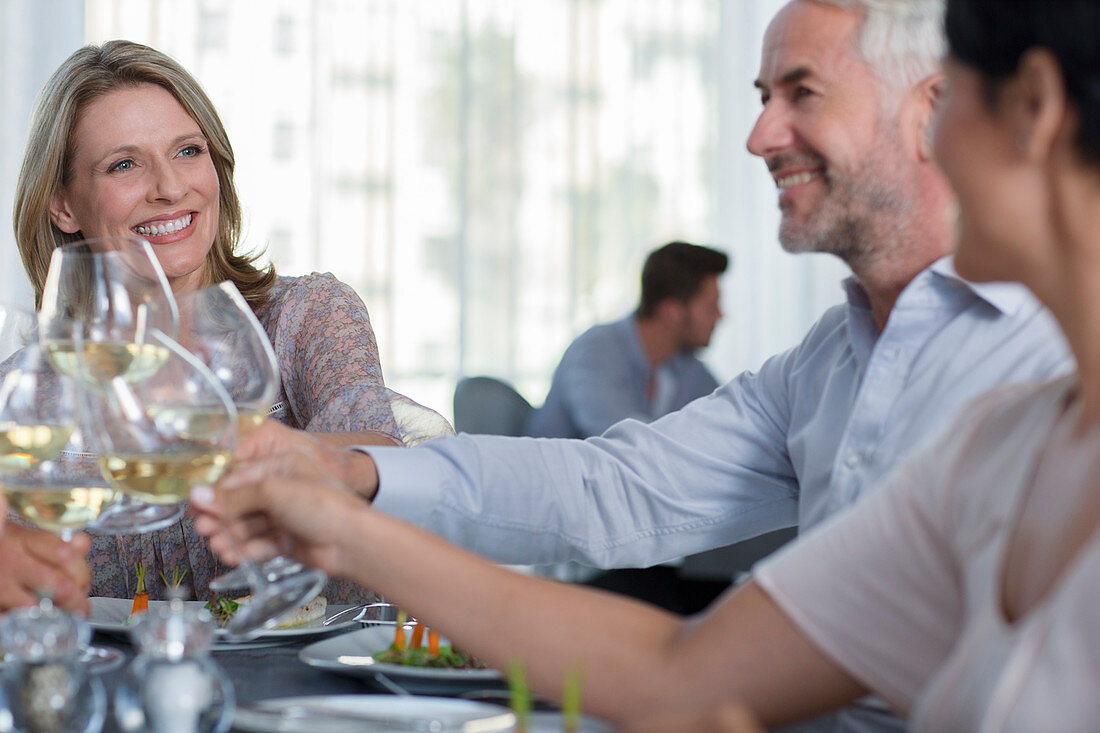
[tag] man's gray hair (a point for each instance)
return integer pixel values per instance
(902, 40)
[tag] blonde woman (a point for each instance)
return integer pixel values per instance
(125, 142)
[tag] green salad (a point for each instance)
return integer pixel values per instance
(222, 609)
(448, 658)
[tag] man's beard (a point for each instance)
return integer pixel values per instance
(860, 212)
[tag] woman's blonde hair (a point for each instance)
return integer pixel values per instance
(88, 74)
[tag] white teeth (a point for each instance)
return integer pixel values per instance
(796, 179)
(168, 227)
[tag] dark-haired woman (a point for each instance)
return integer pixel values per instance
(967, 591)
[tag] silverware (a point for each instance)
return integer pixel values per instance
(379, 612)
(391, 685)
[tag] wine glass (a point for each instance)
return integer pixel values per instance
(159, 436)
(115, 289)
(174, 430)
(218, 326)
(46, 473)
(45, 470)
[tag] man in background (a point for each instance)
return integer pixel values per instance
(643, 366)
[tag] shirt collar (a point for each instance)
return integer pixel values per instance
(1006, 297)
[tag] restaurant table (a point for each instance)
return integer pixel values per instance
(257, 674)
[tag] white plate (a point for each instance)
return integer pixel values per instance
(109, 616)
(546, 722)
(352, 654)
(340, 713)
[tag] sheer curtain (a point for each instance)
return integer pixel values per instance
(488, 174)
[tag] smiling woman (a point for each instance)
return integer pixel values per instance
(160, 184)
(125, 142)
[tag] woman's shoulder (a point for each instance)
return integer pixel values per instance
(291, 286)
(294, 293)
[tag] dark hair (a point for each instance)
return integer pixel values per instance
(677, 270)
(992, 36)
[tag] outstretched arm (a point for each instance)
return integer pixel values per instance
(638, 661)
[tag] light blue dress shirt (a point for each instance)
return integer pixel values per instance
(604, 377)
(795, 442)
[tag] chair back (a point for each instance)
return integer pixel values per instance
(489, 406)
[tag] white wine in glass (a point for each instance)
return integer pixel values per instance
(115, 289)
(219, 327)
(161, 436)
(45, 473)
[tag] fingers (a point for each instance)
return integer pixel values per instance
(293, 461)
(270, 439)
(33, 560)
(234, 552)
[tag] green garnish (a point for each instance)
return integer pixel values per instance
(449, 658)
(177, 578)
(222, 609)
(571, 700)
(519, 695)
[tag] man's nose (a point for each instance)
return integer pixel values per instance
(772, 131)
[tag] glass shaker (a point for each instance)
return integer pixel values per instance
(173, 685)
(46, 685)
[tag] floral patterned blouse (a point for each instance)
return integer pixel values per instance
(332, 381)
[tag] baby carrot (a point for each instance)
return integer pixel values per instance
(141, 598)
(417, 639)
(433, 643)
(399, 631)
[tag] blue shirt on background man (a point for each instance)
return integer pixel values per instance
(604, 377)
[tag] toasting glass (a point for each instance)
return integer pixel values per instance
(114, 289)
(218, 326)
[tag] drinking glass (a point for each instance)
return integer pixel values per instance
(219, 327)
(159, 436)
(116, 291)
(172, 431)
(46, 472)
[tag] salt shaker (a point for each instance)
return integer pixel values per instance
(173, 686)
(46, 685)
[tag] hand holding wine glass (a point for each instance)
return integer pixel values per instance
(219, 327)
(42, 473)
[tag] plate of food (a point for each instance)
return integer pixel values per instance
(368, 652)
(112, 616)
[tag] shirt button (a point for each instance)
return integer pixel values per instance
(854, 460)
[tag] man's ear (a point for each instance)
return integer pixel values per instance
(928, 95)
(62, 215)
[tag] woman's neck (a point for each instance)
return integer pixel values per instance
(1072, 288)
